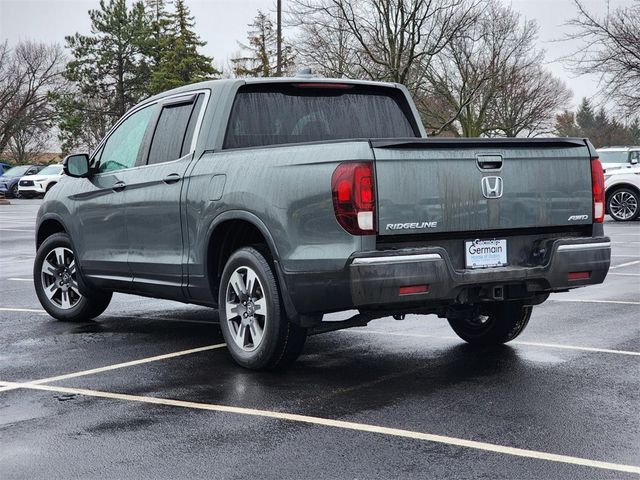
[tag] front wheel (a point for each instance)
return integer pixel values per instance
(492, 324)
(55, 276)
(15, 192)
(252, 319)
(623, 205)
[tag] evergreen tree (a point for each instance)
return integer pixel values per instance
(159, 26)
(180, 63)
(111, 63)
(634, 131)
(263, 43)
(109, 73)
(566, 125)
(585, 115)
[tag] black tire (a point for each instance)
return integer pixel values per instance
(15, 192)
(494, 323)
(88, 304)
(623, 204)
(281, 341)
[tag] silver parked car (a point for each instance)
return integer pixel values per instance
(622, 189)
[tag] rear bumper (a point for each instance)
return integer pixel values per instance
(377, 279)
(373, 279)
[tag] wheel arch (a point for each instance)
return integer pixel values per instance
(230, 231)
(235, 229)
(48, 226)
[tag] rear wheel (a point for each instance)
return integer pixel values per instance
(55, 276)
(252, 319)
(15, 193)
(492, 324)
(623, 204)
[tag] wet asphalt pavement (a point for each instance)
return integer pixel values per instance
(569, 386)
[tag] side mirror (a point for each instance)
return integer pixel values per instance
(634, 159)
(76, 165)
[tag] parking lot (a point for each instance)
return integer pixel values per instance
(149, 391)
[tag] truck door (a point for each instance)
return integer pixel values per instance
(153, 191)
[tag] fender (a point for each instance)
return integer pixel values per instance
(83, 283)
(48, 216)
(290, 309)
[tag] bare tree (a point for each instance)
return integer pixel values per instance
(30, 75)
(487, 80)
(28, 144)
(391, 40)
(528, 102)
(324, 41)
(611, 48)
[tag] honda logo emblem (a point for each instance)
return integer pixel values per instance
(492, 187)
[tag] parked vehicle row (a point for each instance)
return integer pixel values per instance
(9, 187)
(38, 184)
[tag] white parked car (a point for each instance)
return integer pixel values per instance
(618, 157)
(622, 189)
(31, 186)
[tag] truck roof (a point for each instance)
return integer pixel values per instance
(214, 85)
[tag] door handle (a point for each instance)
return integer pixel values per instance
(119, 186)
(172, 178)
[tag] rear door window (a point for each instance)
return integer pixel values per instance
(295, 113)
(174, 130)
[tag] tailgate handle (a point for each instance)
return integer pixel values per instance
(489, 162)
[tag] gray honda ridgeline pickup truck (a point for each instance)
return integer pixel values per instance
(279, 200)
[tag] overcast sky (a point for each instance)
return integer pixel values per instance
(222, 23)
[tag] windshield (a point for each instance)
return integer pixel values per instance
(18, 171)
(51, 170)
(613, 157)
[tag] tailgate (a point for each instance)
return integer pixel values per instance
(457, 185)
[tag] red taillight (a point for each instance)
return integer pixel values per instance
(597, 182)
(413, 289)
(578, 276)
(354, 197)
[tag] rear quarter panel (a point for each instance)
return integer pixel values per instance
(288, 188)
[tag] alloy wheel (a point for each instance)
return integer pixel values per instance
(623, 205)
(246, 309)
(59, 282)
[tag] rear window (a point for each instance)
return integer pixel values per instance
(280, 114)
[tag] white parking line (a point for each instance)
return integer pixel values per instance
(31, 310)
(515, 342)
(580, 300)
(345, 425)
(628, 264)
(625, 274)
(21, 279)
(16, 230)
(116, 366)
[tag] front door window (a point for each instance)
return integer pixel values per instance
(122, 147)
